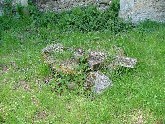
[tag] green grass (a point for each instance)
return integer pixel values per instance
(137, 95)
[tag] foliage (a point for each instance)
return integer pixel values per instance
(82, 19)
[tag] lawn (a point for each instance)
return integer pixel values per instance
(137, 95)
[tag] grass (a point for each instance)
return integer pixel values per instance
(137, 96)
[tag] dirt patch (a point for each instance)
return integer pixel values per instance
(23, 85)
(6, 67)
(40, 115)
(35, 101)
(138, 117)
(3, 68)
(160, 121)
(141, 117)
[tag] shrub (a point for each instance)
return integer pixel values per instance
(84, 19)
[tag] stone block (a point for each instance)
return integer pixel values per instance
(140, 10)
(98, 82)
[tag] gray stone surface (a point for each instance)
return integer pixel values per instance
(98, 82)
(1, 7)
(1, 11)
(140, 10)
(49, 50)
(121, 60)
(96, 59)
(126, 61)
(79, 54)
(60, 5)
(51, 54)
(66, 66)
(21, 2)
(53, 48)
(71, 64)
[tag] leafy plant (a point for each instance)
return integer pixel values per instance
(84, 19)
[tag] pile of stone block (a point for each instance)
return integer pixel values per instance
(95, 61)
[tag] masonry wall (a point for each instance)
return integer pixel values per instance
(139, 10)
(59, 5)
(1, 7)
(134, 10)
(21, 2)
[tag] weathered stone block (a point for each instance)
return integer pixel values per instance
(126, 61)
(65, 67)
(98, 82)
(64, 5)
(140, 10)
(21, 2)
(1, 7)
(75, 64)
(96, 59)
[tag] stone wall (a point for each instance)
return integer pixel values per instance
(135, 10)
(139, 10)
(59, 5)
(21, 2)
(3, 4)
(1, 7)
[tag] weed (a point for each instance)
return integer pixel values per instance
(82, 19)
